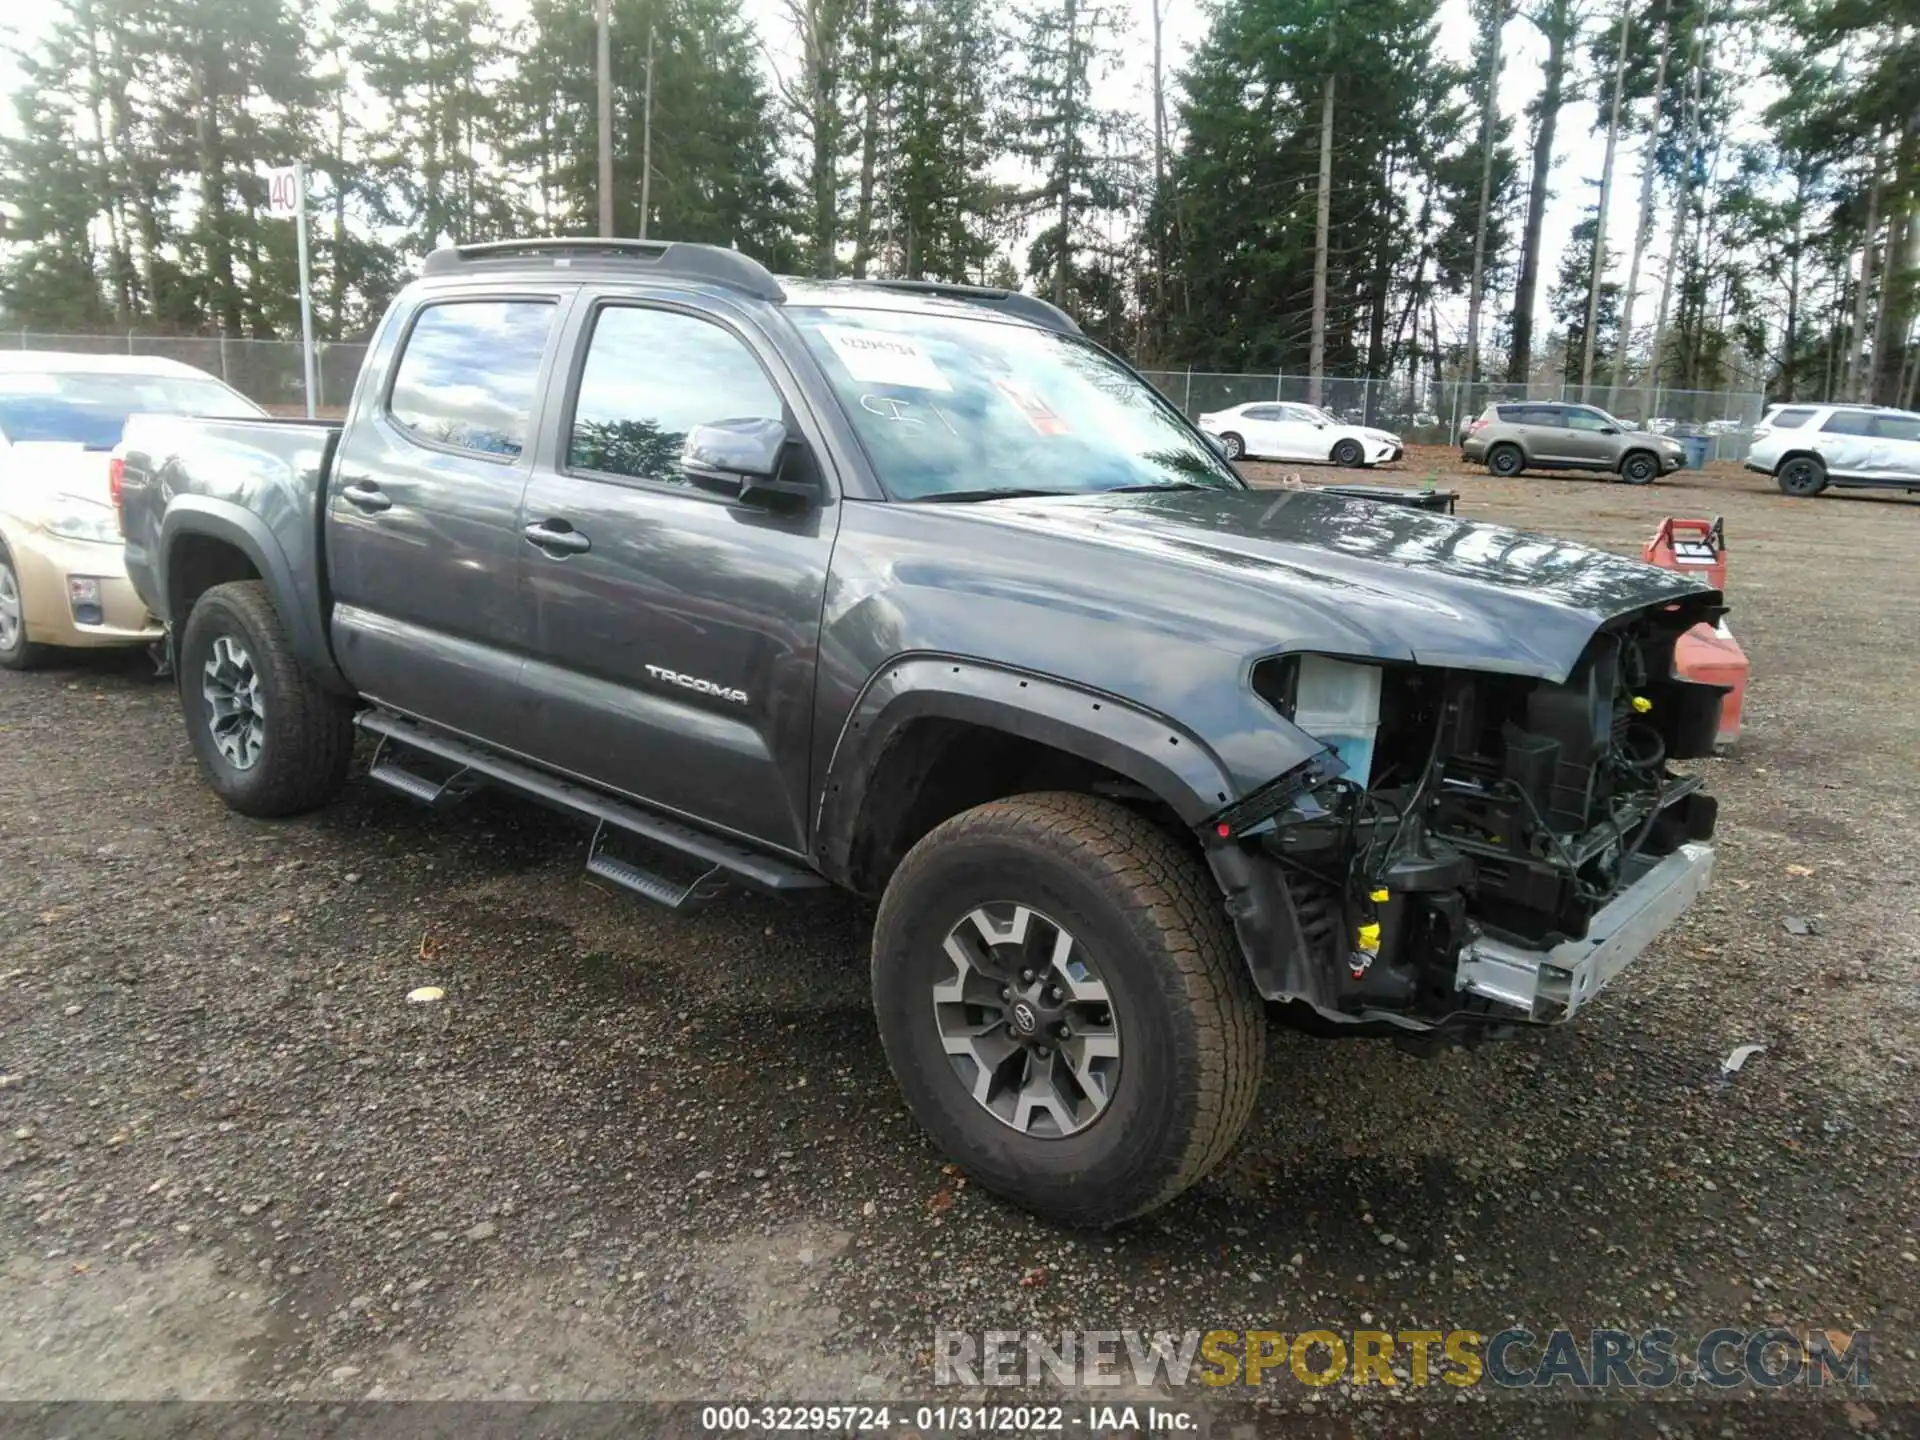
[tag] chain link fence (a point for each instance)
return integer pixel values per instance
(268, 372)
(1421, 411)
(1427, 412)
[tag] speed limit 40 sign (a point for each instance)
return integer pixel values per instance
(283, 192)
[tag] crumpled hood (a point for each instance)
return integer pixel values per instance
(1362, 578)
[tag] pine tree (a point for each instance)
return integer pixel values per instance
(1575, 292)
(1062, 48)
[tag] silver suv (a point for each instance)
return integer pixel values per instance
(1806, 448)
(1549, 435)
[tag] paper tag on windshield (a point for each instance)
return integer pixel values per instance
(874, 357)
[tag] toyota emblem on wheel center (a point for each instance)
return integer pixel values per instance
(1024, 1020)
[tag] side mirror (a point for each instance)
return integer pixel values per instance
(1215, 443)
(1608, 430)
(743, 458)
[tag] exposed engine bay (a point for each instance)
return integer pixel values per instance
(1478, 815)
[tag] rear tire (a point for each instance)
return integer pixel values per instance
(1803, 477)
(1639, 468)
(1146, 925)
(270, 739)
(16, 651)
(1506, 461)
(1349, 454)
(1232, 446)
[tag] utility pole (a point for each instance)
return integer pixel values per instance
(603, 66)
(1600, 217)
(646, 139)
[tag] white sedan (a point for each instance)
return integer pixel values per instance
(1287, 431)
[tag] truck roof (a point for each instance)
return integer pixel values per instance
(730, 270)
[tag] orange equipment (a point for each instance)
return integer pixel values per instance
(1706, 653)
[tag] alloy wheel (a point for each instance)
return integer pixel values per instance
(1026, 1021)
(1800, 477)
(236, 710)
(12, 617)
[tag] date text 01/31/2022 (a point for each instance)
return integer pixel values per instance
(944, 1419)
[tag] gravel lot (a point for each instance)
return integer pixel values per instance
(634, 1155)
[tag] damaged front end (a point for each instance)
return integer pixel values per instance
(1474, 850)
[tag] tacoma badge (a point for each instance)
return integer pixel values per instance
(690, 682)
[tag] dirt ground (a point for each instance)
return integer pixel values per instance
(639, 1156)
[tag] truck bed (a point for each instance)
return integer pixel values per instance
(259, 485)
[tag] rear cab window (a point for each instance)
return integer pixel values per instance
(468, 373)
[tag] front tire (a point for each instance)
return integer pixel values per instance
(16, 651)
(1506, 461)
(1348, 454)
(1138, 1059)
(270, 739)
(1803, 477)
(1639, 468)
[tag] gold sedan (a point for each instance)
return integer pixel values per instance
(63, 582)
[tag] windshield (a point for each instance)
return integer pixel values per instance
(92, 409)
(948, 407)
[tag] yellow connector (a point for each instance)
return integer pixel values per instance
(1380, 896)
(1641, 704)
(1367, 938)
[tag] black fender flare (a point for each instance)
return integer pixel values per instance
(235, 525)
(1146, 747)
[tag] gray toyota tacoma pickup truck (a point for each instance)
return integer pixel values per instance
(912, 590)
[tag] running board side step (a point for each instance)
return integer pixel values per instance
(720, 860)
(389, 769)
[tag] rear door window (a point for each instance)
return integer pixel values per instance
(468, 375)
(1551, 415)
(1849, 422)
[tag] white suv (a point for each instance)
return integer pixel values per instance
(1806, 448)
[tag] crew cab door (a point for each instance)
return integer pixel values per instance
(423, 510)
(674, 628)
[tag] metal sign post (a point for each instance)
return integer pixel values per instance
(287, 197)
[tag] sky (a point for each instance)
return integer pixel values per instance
(1578, 150)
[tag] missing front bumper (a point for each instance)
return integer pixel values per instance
(1551, 985)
